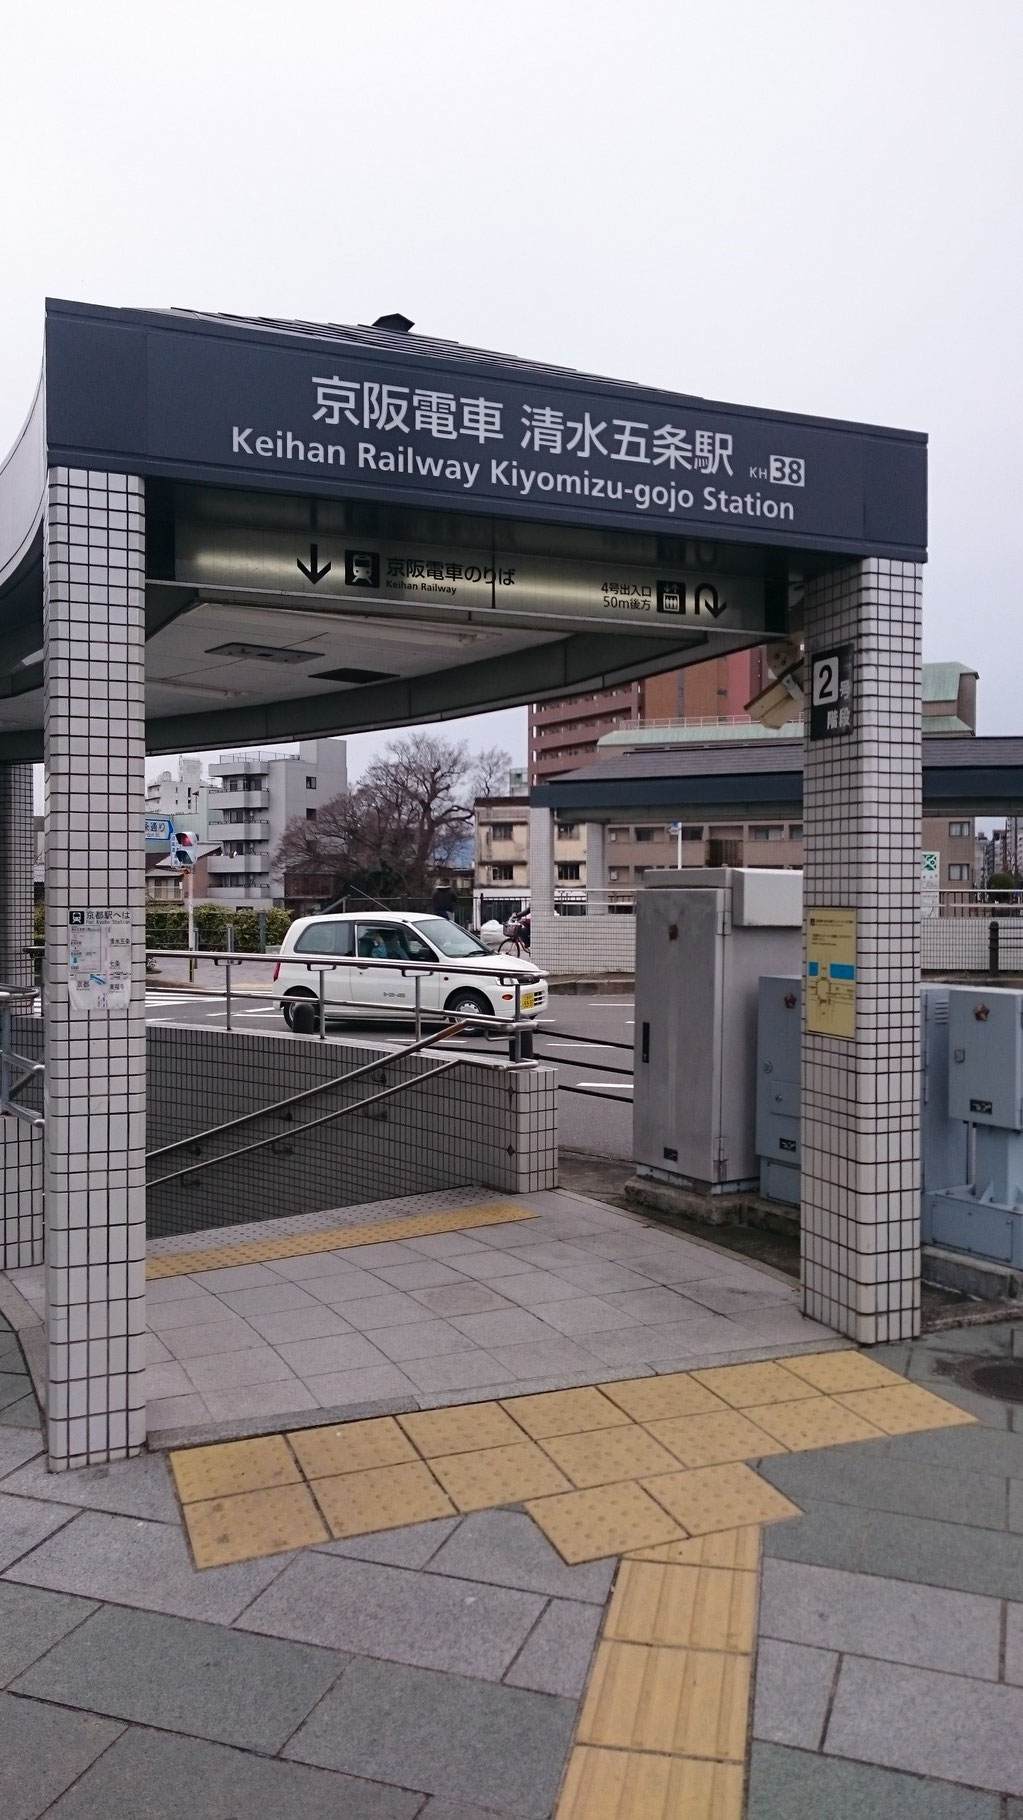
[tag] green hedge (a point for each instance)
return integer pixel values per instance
(167, 927)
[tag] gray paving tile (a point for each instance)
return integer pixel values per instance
(15, 1448)
(169, 1289)
(13, 1385)
(229, 1334)
(176, 1412)
(492, 1266)
(793, 1689)
(235, 1276)
(339, 1352)
(1014, 1645)
(411, 1547)
(462, 1371)
(556, 1656)
(461, 1298)
(865, 1615)
(515, 1328)
(422, 1340)
(134, 1488)
(156, 1351)
(985, 1410)
(391, 1310)
(1016, 1505)
(288, 1397)
(25, 1522)
(315, 1265)
(150, 1775)
(186, 1311)
(424, 1273)
(930, 1724)
(448, 1245)
(874, 1477)
(273, 1298)
(832, 1535)
(600, 1276)
(584, 1314)
(22, 1414)
(350, 1286)
(228, 1370)
(166, 1381)
(657, 1307)
(43, 1751)
(726, 1297)
(795, 1785)
(416, 1618)
(299, 1324)
(537, 1288)
(373, 1384)
(505, 1548)
(30, 1622)
(778, 1326)
(440, 1809)
(380, 1256)
(552, 1256)
(548, 1357)
(996, 1452)
(642, 1345)
(133, 1562)
(182, 1676)
(945, 1554)
(501, 1747)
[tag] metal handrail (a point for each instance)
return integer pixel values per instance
(340, 1112)
(307, 1093)
(11, 1082)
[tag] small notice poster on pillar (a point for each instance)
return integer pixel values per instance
(831, 972)
(99, 960)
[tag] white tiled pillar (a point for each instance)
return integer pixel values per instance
(861, 1097)
(596, 869)
(94, 1149)
(541, 861)
(21, 1156)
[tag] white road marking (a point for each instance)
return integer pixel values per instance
(602, 1086)
(564, 1042)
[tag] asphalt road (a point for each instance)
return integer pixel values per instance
(595, 1105)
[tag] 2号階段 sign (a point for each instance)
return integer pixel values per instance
(832, 700)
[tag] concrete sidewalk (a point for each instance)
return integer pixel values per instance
(437, 1671)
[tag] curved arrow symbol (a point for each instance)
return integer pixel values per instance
(313, 572)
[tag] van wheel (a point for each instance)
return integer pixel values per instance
(299, 1012)
(465, 1002)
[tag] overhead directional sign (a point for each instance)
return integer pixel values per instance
(698, 592)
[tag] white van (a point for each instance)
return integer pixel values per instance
(472, 980)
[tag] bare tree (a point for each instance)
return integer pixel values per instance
(398, 828)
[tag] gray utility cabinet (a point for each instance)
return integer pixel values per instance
(982, 1210)
(779, 1103)
(703, 938)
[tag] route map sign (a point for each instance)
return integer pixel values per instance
(99, 960)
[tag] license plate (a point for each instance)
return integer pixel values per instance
(527, 1001)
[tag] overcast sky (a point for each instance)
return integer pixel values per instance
(805, 204)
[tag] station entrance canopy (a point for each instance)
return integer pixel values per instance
(354, 528)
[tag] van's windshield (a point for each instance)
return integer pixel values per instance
(456, 943)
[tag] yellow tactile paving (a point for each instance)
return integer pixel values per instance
(627, 1785)
(686, 1702)
(719, 1497)
(383, 1497)
(563, 1412)
(351, 1447)
(252, 1524)
(715, 1439)
(904, 1410)
(233, 1466)
(465, 1429)
(683, 1607)
(677, 1393)
(743, 1385)
(336, 1238)
(834, 1371)
(813, 1422)
(609, 1520)
(498, 1475)
(738, 1549)
(605, 1454)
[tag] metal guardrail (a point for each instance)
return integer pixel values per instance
(16, 1071)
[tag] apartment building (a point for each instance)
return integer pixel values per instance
(189, 799)
(564, 733)
(260, 793)
(502, 846)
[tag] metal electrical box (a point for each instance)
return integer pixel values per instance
(703, 939)
(982, 1210)
(943, 1139)
(779, 1062)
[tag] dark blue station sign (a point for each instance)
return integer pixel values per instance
(387, 418)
